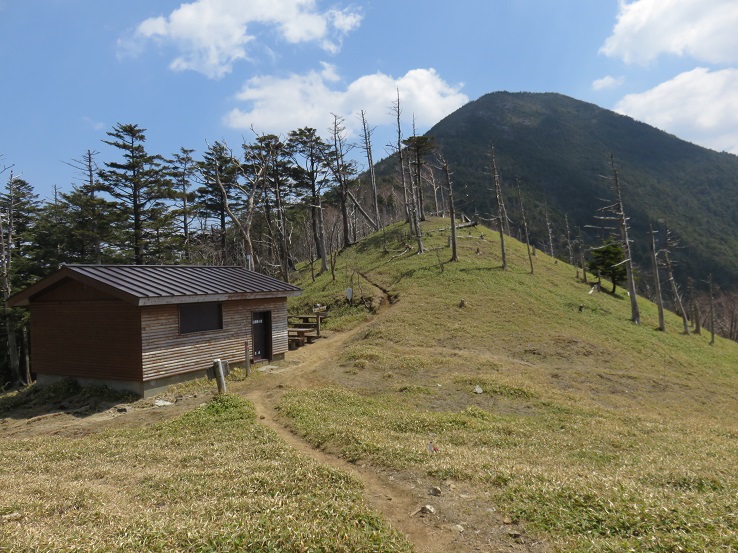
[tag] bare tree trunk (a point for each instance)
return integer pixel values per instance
(623, 224)
(338, 167)
(501, 214)
(656, 280)
(436, 188)
(251, 191)
(550, 234)
(452, 212)
(414, 214)
(569, 246)
(27, 355)
(367, 145)
(580, 245)
(396, 110)
(694, 308)
(712, 311)
(418, 186)
(525, 229)
(361, 210)
(670, 274)
(320, 243)
(90, 167)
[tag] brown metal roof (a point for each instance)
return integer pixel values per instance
(158, 284)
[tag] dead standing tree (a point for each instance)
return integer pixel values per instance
(712, 309)
(411, 208)
(253, 172)
(616, 214)
(397, 112)
(342, 170)
(451, 209)
(569, 245)
(656, 279)
(693, 307)
(366, 145)
(87, 167)
(525, 229)
(582, 264)
(549, 229)
(501, 213)
(669, 244)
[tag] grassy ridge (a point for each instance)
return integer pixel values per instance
(600, 435)
(594, 433)
(212, 480)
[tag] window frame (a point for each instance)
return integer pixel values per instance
(198, 317)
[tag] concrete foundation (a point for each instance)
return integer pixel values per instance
(146, 389)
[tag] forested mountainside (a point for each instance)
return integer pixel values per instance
(558, 149)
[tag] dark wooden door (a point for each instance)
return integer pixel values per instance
(261, 334)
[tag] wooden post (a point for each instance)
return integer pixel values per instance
(219, 376)
(248, 359)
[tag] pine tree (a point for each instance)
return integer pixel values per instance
(218, 173)
(311, 173)
(18, 215)
(608, 260)
(182, 171)
(141, 189)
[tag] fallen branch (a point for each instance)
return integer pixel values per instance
(464, 225)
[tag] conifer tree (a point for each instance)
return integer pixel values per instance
(608, 260)
(182, 170)
(141, 189)
(18, 215)
(218, 174)
(306, 149)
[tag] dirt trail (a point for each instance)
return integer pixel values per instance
(464, 521)
(396, 501)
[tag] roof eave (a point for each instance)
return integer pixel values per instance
(23, 298)
(169, 300)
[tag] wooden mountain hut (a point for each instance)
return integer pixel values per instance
(145, 327)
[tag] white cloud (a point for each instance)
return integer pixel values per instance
(213, 34)
(607, 82)
(702, 29)
(699, 105)
(281, 105)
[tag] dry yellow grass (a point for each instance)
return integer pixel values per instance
(212, 480)
(599, 435)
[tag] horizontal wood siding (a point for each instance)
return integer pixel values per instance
(166, 352)
(87, 339)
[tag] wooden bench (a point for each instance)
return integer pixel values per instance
(298, 336)
(312, 320)
(294, 342)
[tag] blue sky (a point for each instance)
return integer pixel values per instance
(192, 72)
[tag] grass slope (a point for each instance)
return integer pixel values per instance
(212, 480)
(598, 434)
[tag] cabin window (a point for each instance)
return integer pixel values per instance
(200, 317)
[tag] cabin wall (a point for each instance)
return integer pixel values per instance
(80, 332)
(166, 353)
